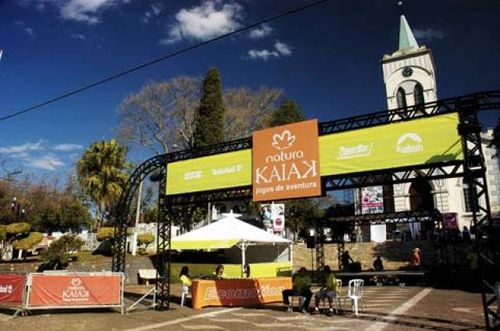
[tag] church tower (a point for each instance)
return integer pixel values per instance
(409, 73)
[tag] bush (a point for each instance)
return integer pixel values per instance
(59, 252)
(17, 228)
(145, 239)
(105, 233)
(29, 242)
(3, 232)
(141, 251)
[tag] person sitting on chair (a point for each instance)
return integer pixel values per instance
(328, 290)
(219, 272)
(246, 270)
(184, 276)
(301, 287)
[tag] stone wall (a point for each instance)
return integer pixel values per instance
(394, 254)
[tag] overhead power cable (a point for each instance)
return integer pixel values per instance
(160, 59)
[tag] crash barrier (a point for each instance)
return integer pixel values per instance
(60, 290)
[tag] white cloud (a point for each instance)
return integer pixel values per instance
(68, 147)
(262, 54)
(428, 34)
(280, 49)
(47, 162)
(78, 36)
(209, 20)
(29, 31)
(283, 48)
(23, 148)
(154, 11)
(261, 32)
(86, 11)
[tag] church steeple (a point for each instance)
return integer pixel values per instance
(409, 73)
(406, 38)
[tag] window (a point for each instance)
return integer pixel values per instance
(401, 98)
(418, 94)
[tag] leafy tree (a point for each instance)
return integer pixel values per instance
(301, 213)
(59, 252)
(248, 110)
(101, 173)
(288, 112)
(161, 115)
(209, 128)
(27, 243)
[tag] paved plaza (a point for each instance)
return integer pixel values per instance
(385, 308)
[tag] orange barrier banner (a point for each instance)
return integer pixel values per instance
(74, 290)
(238, 292)
(12, 288)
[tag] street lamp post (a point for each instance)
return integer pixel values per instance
(17, 210)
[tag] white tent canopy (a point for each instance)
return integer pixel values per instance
(226, 233)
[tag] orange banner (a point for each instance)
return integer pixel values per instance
(12, 288)
(74, 290)
(238, 292)
(286, 162)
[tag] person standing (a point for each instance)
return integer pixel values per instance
(301, 287)
(328, 290)
(346, 260)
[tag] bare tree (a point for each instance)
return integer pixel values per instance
(248, 110)
(160, 115)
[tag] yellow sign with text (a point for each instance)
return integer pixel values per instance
(419, 141)
(208, 173)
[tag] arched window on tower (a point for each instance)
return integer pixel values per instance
(418, 95)
(401, 98)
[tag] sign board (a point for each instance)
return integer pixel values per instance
(12, 288)
(372, 200)
(207, 173)
(59, 290)
(286, 162)
(278, 217)
(420, 141)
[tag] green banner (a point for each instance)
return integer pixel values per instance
(207, 173)
(419, 141)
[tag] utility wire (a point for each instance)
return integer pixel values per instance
(160, 59)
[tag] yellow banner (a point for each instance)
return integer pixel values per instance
(419, 141)
(208, 173)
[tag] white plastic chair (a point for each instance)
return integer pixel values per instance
(186, 293)
(355, 294)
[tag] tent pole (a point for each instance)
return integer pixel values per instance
(243, 257)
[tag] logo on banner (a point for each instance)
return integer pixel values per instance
(409, 143)
(286, 162)
(76, 292)
(351, 152)
(212, 293)
(6, 288)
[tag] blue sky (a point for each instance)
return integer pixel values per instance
(326, 59)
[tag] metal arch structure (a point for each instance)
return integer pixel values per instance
(472, 168)
(122, 213)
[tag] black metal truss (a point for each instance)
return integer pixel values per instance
(475, 102)
(218, 195)
(122, 213)
(163, 244)
(487, 247)
(393, 176)
(483, 100)
(400, 217)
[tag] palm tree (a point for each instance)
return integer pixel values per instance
(101, 173)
